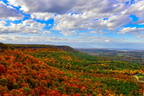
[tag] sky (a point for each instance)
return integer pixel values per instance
(76, 23)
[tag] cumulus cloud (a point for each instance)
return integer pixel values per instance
(98, 31)
(32, 39)
(7, 12)
(136, 9)
(52, 6)
(70, 22)
(43, 39)
(42, 16)
(94, 39)
(87, 13)
(46, 32)
(113, 22)
(67, 33)
(64, 6)
(32, 23)
(103, 7)
(2, 23)
(131, 30)
(27, 26)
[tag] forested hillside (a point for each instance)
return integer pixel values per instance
(47, 70)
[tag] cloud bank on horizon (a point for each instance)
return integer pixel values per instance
(77, 23)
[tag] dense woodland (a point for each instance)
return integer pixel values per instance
(47, 70)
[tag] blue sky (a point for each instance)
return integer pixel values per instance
(77, 23)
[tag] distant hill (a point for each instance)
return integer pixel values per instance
(66, 48)
(36, 46)
(4, 46)
(31, 46)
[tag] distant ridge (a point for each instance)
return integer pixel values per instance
(66, 48)
(30, 46)
(36, 46)
(4, 46)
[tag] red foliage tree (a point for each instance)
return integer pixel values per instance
(2, 68)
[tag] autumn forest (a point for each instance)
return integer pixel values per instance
(48, 70)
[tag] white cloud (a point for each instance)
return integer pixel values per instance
(43, 39)
(103, 7)
(46, 32)
(90, 9)
(31, 39)
(2, 23)
(33, 24)
(140, 36)
(87, 11)
(52, 6)
(27, 26)
(67, 32)
(97, 31)
(70, 22)
(66, 6)
(131, 30)
(7, 12)
(136, 9)
(94, 39)
(42, 16)
(107, 40)
(113, 22)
